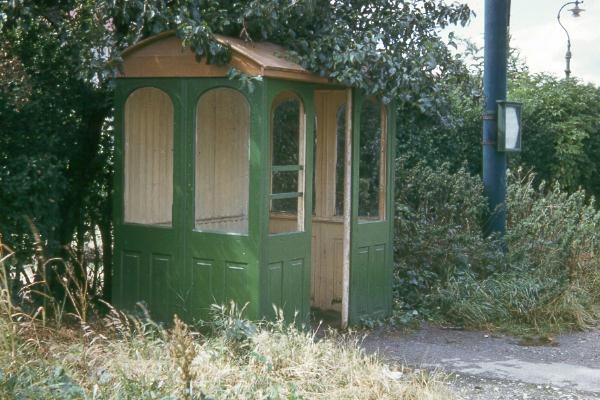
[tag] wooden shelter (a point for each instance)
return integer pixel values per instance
(276, 197)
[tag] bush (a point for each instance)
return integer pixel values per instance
(561, 130)
(548, 280)
(437, 232)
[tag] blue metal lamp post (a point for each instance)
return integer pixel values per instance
(576, 12)
(494, 87)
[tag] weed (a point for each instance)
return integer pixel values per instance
(183, 353)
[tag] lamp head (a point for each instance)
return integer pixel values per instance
(577, 10)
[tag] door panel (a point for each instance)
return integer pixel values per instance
(287, 207)
(288, 276)
(202, 277)
(220, 218)
(274, 287)
(371, 235)
(148, 140)
(129, 278)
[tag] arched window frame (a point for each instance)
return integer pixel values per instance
(289, 168)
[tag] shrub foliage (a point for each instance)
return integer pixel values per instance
(548, 279)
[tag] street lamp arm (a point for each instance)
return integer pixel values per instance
(576, 12)
(560, 23)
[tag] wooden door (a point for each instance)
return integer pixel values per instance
(221, 218)
(147, 200)
(288, 199)
(372, 210)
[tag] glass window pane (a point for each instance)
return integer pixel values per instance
(512, 128)
(285, 182)
(371, 195)
(286, 128)
(287, 164)
(148, 169)
(222, 161)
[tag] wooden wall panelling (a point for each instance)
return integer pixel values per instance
(148, 157)
(328, 230)
(164, 56)
(222, 164)
(326, 276)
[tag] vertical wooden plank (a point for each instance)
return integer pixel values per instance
(165, 193)
(318, 189)
(302, 162)
(347, 212)
(383, 164)
(313, 264)
(127, 161)
(159, 197)
(330, 153)
(223, 165)
(338, 251)
(150, 120)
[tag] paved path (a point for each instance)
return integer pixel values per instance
(566, 368)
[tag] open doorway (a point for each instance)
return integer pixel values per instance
(328, 227)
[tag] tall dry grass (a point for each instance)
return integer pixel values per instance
(123, 357)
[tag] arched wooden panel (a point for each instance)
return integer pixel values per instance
(222, 161)
(148, 171)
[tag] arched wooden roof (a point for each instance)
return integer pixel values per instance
(163, 56)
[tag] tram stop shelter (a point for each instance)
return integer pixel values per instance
(276, 196)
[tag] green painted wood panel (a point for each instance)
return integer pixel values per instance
(148, 257)
(179, 269)
(274, 288)
(233, 257)
(160, 266)
(371, 258)
(285, 257)
(202, 293)
(129, 278)
(360, 280)
(294, 294)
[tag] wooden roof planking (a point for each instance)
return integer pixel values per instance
(164, 56)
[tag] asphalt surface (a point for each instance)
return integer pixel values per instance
(489, 366)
